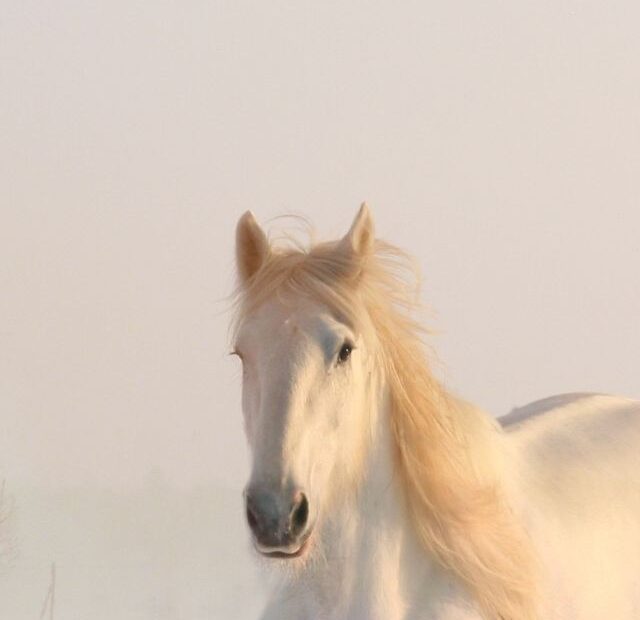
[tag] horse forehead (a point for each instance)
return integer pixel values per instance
(279, 323)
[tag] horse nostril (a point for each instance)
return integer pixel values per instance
(299, 515)
(251, 518)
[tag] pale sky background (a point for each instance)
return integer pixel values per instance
(499, 142)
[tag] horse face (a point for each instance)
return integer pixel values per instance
(304, 390)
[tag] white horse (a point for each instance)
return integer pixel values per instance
(389, 499)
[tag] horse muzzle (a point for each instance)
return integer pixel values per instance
(280, 525)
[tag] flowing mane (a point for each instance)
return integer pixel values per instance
(445, 452)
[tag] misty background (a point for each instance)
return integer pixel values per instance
(498, 142)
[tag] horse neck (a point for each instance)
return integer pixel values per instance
(370, 545)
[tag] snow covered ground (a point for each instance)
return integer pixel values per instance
(155, 554)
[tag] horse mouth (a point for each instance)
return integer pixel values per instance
(286, 555)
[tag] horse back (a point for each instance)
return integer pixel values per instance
(579, 434)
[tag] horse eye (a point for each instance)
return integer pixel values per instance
(345, 352)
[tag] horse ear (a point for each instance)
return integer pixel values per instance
(361, 236)
(252, 246)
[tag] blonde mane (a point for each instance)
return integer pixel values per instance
(454, 496)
